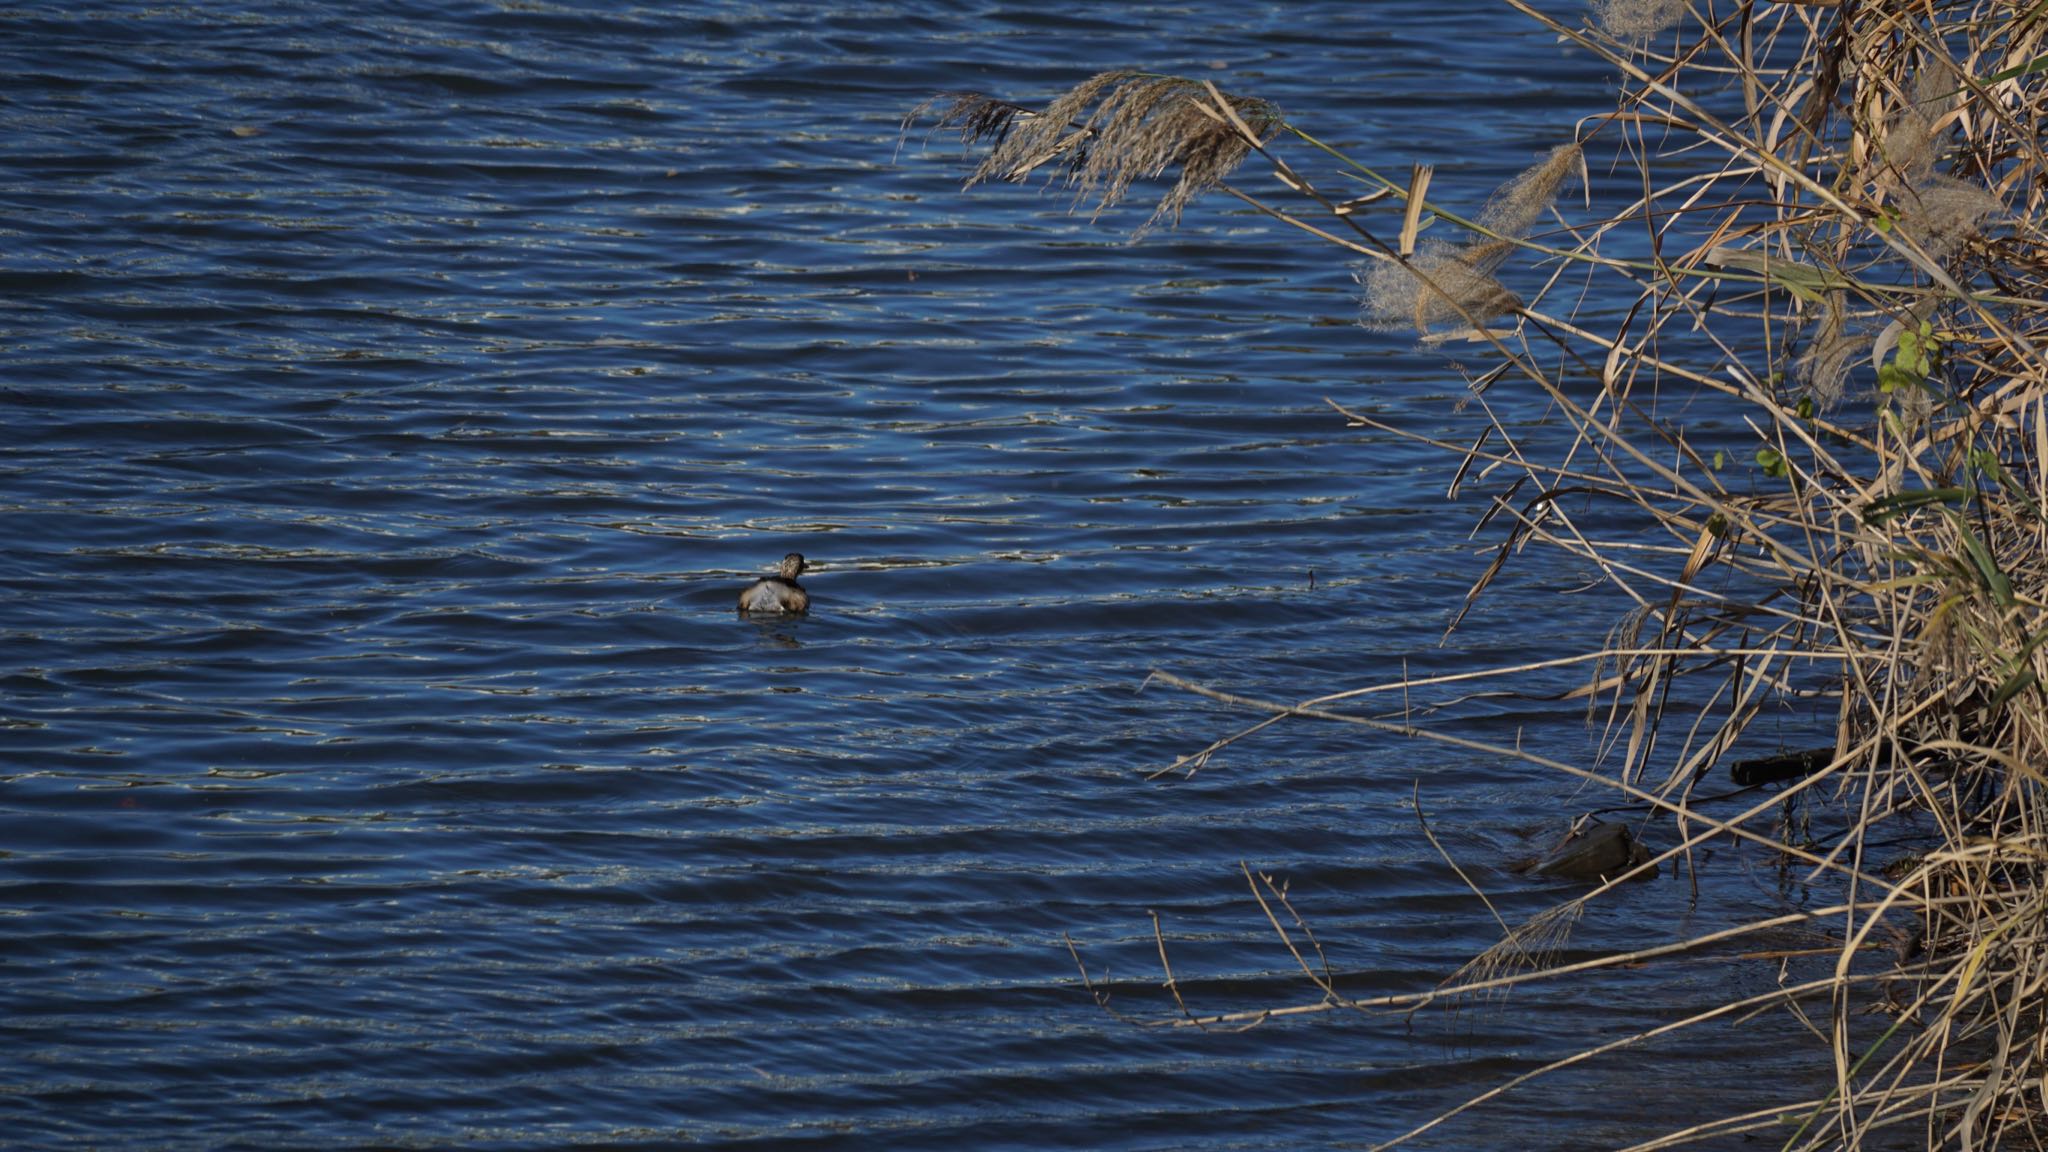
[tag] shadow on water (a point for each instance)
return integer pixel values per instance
(782, 632)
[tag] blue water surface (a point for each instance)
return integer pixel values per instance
(395, 397)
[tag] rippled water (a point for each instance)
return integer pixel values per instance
(395, 396)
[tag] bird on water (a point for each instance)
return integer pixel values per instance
(779, 594)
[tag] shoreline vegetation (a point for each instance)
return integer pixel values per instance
(1813, 231)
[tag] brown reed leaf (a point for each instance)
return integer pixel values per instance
(1418, 196)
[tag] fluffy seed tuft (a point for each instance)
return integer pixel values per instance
(1446, 284)
(1942, 212)
(1637, 20)
(1111, 131)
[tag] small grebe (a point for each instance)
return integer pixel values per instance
(779, 593)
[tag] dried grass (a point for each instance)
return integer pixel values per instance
(1875, 557)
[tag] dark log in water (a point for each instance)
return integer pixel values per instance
(1784, 766)
(1595, 853)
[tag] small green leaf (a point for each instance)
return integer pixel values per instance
(1914, 359)
(1912, 351)
(1987, 462)
(2037, 64)
(1773, 462)
(2011, 688)
(1995, 581)
(1719, 459)
(1899, 503)
(2018, 675)
(1717, 525)
(1805, 408)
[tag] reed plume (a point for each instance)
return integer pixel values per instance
(1637, 20)
(1941, 213)
(1441, 284)
(1833, 352)
(1108, 133)
(1911, 143)
(1444, 283)
(1514, 208)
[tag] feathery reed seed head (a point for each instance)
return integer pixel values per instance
(1446, 284)
(1834, 350)
(1113, 130)
(1941, 212)
(977, 117)
(1397, 296)
(1910, 142)
(1515, 206)
(1636, 20)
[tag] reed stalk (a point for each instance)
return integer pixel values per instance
(1832, 236)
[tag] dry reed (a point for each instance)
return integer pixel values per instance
(1110, 132)
(1860, 278)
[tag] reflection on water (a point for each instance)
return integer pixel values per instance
(779, 631)
(396, 402)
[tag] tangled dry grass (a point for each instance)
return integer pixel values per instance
(1837, 241)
